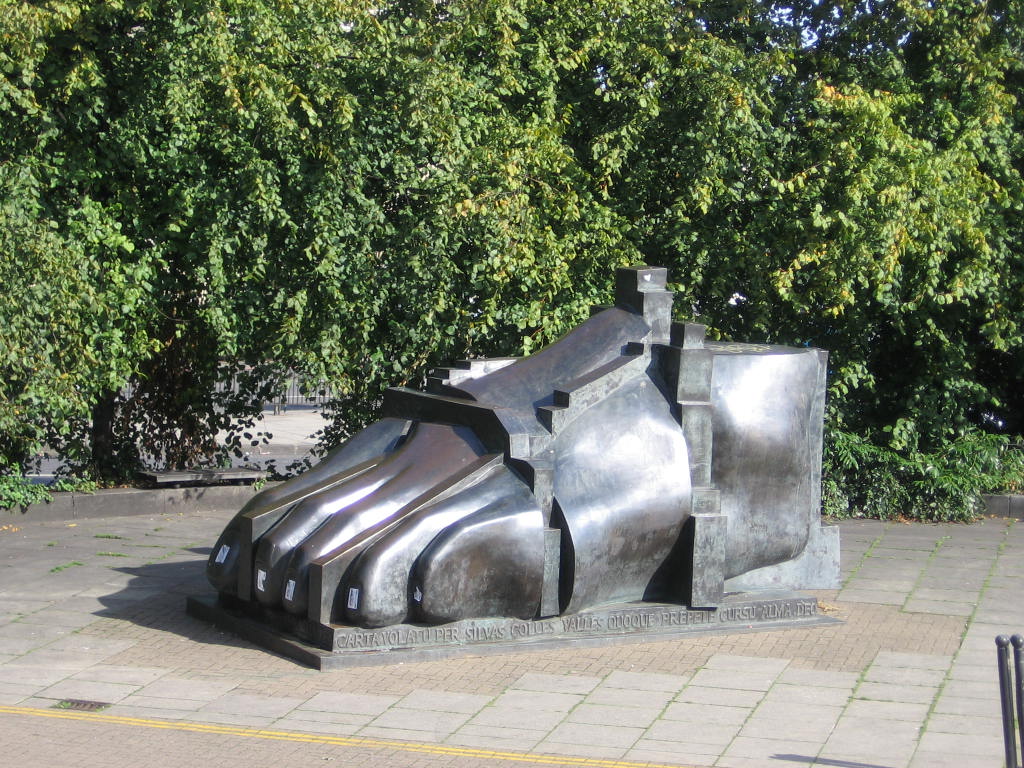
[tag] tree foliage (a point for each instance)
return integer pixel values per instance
(204, 189)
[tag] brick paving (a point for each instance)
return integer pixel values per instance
(94, 610)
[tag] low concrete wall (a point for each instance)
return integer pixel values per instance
(1005, 506)
(117, 502)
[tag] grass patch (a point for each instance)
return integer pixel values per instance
(107, 536)
(169, 553)
(111, 554)
(59, 568)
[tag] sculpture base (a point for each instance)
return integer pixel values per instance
(335, 647)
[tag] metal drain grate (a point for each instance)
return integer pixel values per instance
(81, 705)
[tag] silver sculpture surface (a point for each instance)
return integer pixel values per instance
(632, 460)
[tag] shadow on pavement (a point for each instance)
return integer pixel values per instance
(155, 596)
(827, 761)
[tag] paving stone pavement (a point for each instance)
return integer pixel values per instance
(93, 610)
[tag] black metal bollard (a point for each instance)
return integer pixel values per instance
(1018, 662)
(1006, 697)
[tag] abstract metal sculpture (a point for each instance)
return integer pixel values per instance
(630, 461)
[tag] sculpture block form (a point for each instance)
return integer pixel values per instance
(630, 461)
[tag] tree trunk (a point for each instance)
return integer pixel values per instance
(104, 462)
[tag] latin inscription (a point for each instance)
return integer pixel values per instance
(611, 622)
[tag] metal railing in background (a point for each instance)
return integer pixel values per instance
(1011, 689)
(291, 393)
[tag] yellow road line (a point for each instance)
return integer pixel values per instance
(336, 741)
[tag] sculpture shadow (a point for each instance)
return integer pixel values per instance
(828, 761)
(155, 597)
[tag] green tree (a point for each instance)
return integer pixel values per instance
(356, 191)
(339, 189)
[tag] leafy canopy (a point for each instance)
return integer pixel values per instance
(204, 190)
